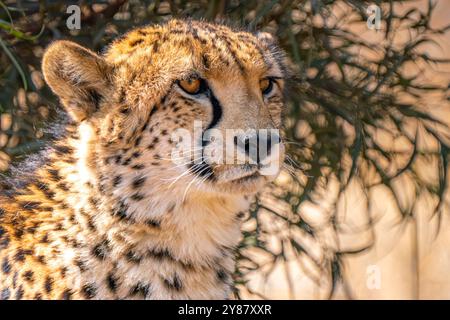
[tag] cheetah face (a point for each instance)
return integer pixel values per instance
(187, 103)
(231, 141)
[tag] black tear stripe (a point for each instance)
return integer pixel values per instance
(203, 169)
(217, 110)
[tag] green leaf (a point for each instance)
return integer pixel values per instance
(15, 63)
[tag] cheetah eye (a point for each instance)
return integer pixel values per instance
(266, 85)
(193, 85)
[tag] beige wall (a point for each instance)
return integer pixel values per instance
(406, 257)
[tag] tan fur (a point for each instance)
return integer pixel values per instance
(109, 215)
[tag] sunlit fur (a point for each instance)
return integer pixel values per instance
(109, 215)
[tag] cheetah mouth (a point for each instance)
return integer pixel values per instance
(240, 174)
(247, 178)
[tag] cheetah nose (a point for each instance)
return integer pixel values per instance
(257, 146)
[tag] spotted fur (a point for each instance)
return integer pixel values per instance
(107, 215)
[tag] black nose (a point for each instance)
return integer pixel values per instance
(257, 146)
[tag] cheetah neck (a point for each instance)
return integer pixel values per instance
(100, 229)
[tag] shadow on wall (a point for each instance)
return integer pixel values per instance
(392, 258)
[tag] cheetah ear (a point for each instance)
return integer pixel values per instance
(78, 76)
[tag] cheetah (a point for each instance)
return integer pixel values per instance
(105, 213)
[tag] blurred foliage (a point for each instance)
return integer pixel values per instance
(350, 88)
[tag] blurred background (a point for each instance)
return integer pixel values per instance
(360, 210)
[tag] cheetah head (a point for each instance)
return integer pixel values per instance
(167, 103)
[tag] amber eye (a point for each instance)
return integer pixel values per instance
(266, 85)
(193, 85)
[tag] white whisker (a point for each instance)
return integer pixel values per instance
(193, 180)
